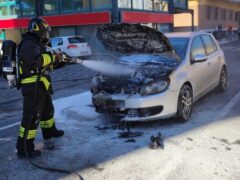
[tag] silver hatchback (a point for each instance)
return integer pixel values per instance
(163, 84)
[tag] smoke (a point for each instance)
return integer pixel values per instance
(109, 68)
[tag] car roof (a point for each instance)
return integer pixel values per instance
(183, 34)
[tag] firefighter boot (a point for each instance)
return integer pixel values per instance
(31, 152)
(57, 133)
(52, 132)
(48, 134)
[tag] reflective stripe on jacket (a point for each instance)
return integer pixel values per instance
(33, 79)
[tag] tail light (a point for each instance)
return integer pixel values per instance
(70, 46)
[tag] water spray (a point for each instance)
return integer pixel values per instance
(106, 67)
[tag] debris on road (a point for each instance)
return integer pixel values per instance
(190, 139)
(130, 140)
(228, 148)
(237, 142)
(157, 142)
(129, 134)
(102, 128)
(225, 141)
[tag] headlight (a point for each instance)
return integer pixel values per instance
(155, 87)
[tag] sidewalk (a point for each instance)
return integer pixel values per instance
(224, 41)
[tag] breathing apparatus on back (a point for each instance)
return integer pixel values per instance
(9, 63)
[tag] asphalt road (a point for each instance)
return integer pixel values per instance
(74, 79)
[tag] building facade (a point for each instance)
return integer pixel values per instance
(82, 17)
(208, 14)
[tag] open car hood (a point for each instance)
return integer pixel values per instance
(133, 38)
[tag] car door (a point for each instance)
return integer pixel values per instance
(198, 74)
(214, 60)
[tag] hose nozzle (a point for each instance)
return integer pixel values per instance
(78, 61)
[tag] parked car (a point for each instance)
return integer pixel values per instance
(164, 84)
(74, 46)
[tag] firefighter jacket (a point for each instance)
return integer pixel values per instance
(34, 60)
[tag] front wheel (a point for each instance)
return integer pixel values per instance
(185, 103)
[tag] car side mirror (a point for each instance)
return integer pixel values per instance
(199, 58)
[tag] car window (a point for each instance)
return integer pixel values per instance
(214, 44)
(197, 47)
(208, 44)
(180, 46)
(56, 42)
(75, 40)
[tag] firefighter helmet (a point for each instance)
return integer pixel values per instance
(39, 27)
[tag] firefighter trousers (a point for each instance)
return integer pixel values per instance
(37, 108)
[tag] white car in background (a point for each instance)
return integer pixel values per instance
(74, 46)
(162, 85)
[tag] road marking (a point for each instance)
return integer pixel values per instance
(228, 106)
(9, 126)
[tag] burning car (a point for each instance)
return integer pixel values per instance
(163, 79)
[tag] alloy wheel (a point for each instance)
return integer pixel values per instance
(185, 103)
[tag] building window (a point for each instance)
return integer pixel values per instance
(80, 4)
(148, 5)
(9, 8)
(74, 5)
(66, 5)
(28, 7)
(180, 4)
(103, 4)
(161, 5)
(208, 13)
(4, 11)
(230, 15)
(236, 16)
(215, 13)
(126, 3)
(163, 27)
(14, 9)
(50, 6)
(223, 14)
(137, 4)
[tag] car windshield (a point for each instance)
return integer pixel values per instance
(75, 40)
(180, 46)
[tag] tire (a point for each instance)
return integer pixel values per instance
(223, 81)
(185, 103)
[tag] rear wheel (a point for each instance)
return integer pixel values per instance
(185, 103)
(222, 85)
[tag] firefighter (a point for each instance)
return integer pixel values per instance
(36, 88)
